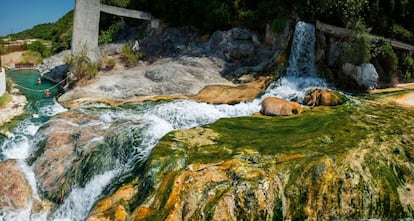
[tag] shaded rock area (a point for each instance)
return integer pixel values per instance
(15, 191)
(365, 75)
(273, 106)
(353, 163)
(320, 97)
(54, 68)
(83, 141)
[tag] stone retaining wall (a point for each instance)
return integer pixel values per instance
(2, 81)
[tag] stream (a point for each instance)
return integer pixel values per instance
(152, 119)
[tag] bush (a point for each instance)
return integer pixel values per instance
(278, 24)
(109, 63)
(109, 35)
(81, 66)
(38, 46)
(9, 85)
(129, 57)
(399, 32)
(407, 66)
(358, 49)
(4, 99)
(33, 57)
(389, 62)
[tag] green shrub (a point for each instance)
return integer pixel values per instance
(81, 66)
(399, 32)
(109, 35)
(407, 66)
(358, 49)
(38, 46)
(33, 57)
(278, 24)
(4, 99)
(9, 85)
(129, 57)
(108, 62)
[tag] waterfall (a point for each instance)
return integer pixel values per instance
(302, 54)
(300, 76)
(156, 120)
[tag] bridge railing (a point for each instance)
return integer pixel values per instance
(343, 32)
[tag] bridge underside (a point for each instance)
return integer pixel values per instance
(86, 24)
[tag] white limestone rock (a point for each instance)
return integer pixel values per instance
(365, 75)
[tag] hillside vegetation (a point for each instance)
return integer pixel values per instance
(389, 18)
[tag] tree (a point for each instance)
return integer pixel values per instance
(38, 46)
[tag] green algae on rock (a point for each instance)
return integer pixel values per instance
(345, 162)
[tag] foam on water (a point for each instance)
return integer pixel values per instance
(77, 205)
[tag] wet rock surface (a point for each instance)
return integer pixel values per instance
(276, 171)
(74, 147)
(15, 191)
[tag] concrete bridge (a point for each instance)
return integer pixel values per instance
(86, 24)
(343, 32)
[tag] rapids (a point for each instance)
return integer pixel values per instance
(155, 119)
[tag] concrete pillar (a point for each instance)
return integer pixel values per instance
(86, 28)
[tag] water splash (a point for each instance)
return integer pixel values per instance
(301, 74)
(77, 205)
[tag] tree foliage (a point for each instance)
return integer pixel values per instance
(60, 33)
(38, 46)
(358, 49)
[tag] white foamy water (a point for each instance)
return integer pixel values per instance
(156, 121)
(77, 205)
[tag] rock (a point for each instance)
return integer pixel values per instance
(223, 94)
(111, 49)
(334, 53)
(232, 45)
(184, 76)
(15, 190)
(320, 97)
(273, 106)
(275, 169)
(14, 107)
(54, 68)
(365, 75)
(78, 146)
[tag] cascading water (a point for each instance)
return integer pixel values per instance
(301, 74)
(155, 120)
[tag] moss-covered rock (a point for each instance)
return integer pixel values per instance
(321, 97)
(344, 162)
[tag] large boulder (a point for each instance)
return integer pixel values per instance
(55, 68)
(183, 75)
(273, 106)
(320, 97)
(15, 190)
(365, 75)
